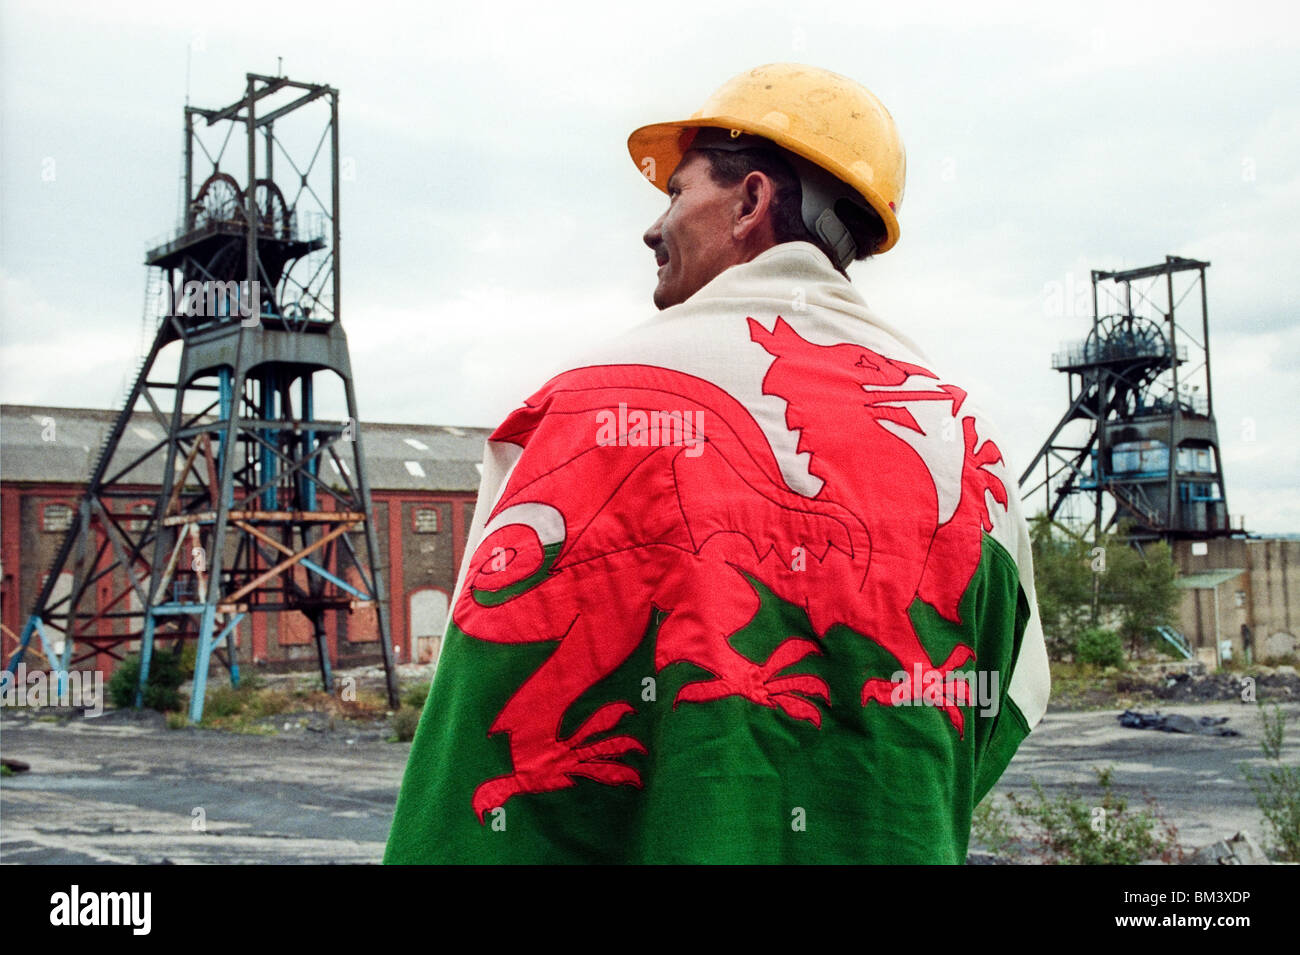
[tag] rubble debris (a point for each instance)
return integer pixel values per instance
(987, 858)
(1241, 849)
(1176, 723)
(1190, 684)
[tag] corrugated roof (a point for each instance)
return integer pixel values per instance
(1209, 579)
(398, 456)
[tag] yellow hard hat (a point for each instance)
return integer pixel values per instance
(828, 119)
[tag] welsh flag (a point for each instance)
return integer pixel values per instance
(762, 596)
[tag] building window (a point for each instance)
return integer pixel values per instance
(424, 520)
(145, 510)
(56, 518)
(1138, 457)
(1196, 460)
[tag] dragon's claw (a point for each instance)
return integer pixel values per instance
(759, 683)
(978, 476)
(555, 767)
(935, 687)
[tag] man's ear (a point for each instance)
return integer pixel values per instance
(756, 196)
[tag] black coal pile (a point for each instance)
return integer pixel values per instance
(1183, 687)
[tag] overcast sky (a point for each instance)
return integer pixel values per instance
(493, 220)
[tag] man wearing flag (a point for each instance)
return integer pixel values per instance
(751, 583)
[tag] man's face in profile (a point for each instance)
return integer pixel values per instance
(691, 240)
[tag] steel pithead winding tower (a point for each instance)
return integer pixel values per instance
(247, 519)
(1140, 386)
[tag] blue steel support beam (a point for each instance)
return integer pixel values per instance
(59, 662)
(308, 444)
(201, 660)
(228, 634)
(30, 627)
(226, 402)
(323, 650)
(146, 656)
(322, 572)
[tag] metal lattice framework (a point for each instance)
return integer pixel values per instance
(1137, 441)
(262, 507)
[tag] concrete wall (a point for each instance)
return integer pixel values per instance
(1265, 597)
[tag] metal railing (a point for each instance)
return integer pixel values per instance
(1113, 349)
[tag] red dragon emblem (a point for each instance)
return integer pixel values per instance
(575, 553)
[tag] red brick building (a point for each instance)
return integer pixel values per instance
(423, 479)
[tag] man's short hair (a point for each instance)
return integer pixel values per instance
(729, 167)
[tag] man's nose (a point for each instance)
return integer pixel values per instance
(654, 236)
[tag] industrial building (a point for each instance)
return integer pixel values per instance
(424, 481)
(260, 506)
(1138, 445)
(1242, 594)
(1241, 597)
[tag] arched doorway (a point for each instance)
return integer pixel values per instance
(428, 620)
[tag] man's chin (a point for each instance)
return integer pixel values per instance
(663, 298)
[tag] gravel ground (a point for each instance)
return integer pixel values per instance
(124, 789)
(1195, 780)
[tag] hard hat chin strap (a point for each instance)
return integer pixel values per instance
(822, 194)
(833, 232)
(820, 190)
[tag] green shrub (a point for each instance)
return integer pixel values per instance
(405, 721)
(189, 656)
(221, 701)
(262, 702)
(992, 829)
(1081, 581)
(1072, 831)
(247, 702)
(161, 692)
(1099, 647)
(415, 695)
(1277, 788)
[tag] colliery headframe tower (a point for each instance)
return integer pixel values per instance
(1137, 441)
(263, 508)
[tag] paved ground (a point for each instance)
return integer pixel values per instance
(1196, 780)
(122, 788)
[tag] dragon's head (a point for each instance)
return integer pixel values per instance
(847, 366)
